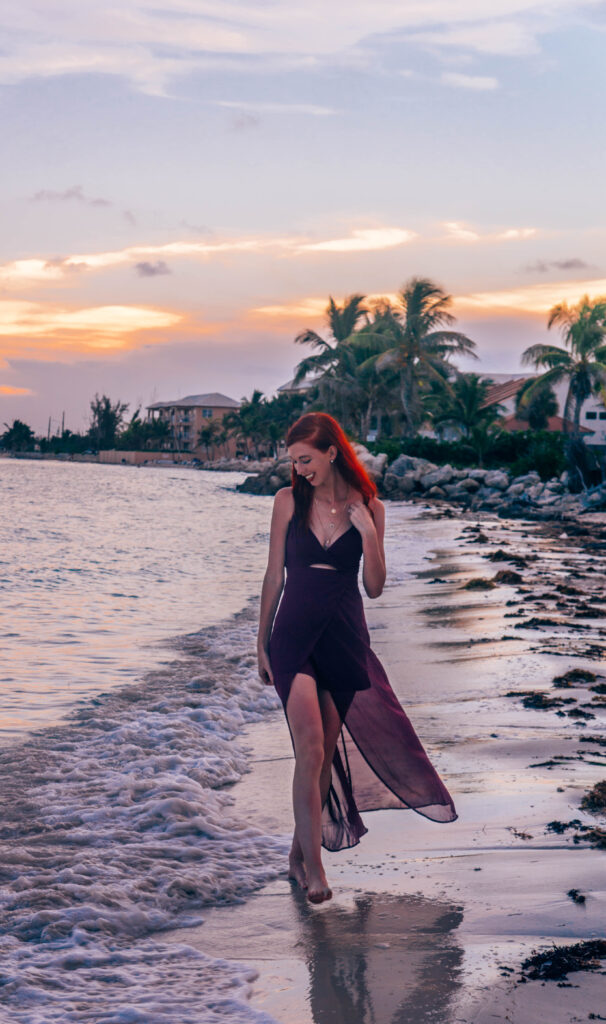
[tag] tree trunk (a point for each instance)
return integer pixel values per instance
(405, 398)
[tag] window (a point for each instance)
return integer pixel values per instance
(603, 415)
(591, 415)
(207, 414)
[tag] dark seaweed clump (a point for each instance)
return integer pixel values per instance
(478, 583)
(595, 799)
(540, 701)
(558, 962)
(574, 675)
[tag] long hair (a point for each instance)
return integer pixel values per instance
(320, 431)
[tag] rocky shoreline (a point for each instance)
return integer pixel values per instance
(408, 478)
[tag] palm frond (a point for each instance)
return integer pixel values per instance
(546, 355)
(311, 337)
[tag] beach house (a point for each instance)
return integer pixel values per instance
(187, 417)
(504, 391)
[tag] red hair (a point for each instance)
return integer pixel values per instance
(321, 431)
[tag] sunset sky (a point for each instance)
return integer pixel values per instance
(184, 184)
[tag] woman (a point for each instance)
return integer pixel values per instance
(355, 748)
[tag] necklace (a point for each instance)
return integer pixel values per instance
(341, 501)
(332, 523)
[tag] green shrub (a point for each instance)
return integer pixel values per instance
(520, 452)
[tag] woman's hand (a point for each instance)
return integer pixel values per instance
(265, 672)
(361, 518)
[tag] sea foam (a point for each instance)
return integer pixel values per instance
(119, 824)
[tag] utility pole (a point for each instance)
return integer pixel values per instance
(63, 423)
(48, 432)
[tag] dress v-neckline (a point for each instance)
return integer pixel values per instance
(335, 541)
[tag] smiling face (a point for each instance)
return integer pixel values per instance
(311, 463)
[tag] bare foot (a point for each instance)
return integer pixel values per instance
(296, 871)
(318, 890)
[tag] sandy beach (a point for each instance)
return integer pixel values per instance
(432, 922)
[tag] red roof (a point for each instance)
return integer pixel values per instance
(501, 392)
(554, 423)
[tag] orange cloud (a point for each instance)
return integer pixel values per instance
(104, 325)
(37, 270)
(362, 240)
(46, 331)
(6, 389)
(310, 308)
(534, 299)
(458, 231)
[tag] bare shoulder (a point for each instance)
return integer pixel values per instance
(284, 504)
(377, 507)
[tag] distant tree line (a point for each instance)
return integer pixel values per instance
(387, 371)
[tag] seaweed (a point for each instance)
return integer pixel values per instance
(558, 962)
(595, 799)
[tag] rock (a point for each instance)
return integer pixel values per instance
(528, 478)
(437, 477)
(436, 492)
(399, 486)
(476, 474)
(408, 463)
(273, 476)
(595, 500)
(373, 464)
(491, 501)
(514, 490)
(535, 491)
(391, 483)
(497, 478)
(469, 484)
(554, 486)
(454, 491)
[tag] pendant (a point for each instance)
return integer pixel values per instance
(334, 511)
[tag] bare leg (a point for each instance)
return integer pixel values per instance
(315, 725)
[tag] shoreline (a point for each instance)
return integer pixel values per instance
(440, 918)
(573, 514)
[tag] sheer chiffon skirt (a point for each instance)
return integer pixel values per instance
(379, 761)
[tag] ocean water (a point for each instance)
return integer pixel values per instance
(99, 564)
(129, 615)
(128, 630)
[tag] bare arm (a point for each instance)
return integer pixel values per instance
(372, 530)
(273, 581)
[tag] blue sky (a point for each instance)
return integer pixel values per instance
(184, 184)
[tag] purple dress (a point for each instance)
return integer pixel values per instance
(320, 629)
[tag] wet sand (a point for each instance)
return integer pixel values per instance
(432, 922)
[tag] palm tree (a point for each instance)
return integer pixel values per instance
(465, 406)
(327, 363)
(583, 328)
(209, 435)
(105, 420)
(364, 390)
(17, 438)
(420, 346)
(537, 409)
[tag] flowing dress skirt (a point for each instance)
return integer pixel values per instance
(320, 629)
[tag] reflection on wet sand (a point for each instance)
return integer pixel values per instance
(382, 960)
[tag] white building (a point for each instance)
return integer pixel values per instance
(506, 387)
